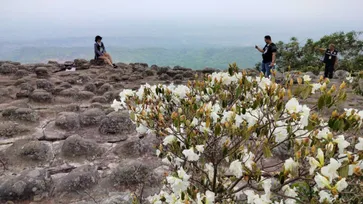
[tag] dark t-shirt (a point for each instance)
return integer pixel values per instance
(267, 52)
(330, 57)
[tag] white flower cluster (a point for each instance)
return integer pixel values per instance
(292, 123)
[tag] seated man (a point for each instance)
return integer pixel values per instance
(100, 51)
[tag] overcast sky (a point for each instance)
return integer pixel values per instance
(54, 18)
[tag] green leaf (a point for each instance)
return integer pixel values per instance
(343, 172)
(132, 116)
(239, 91)
(217, 129)
(267, 151)
(321, 102)
(328, 100)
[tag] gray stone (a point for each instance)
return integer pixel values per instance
(21, 73)
(341, 74)
(104, 88)
(42, 72)
(25, 114)
(164, 77)
(81, 178)
(76, 146)
(71, 92)
(92, 117)
(66, 85)
(80, 62)
(34, 150)
(41, 96)
(68, 121)
(84, 95)
(45, 84)
(130, 173)
(99, 99)
(118, 198)
(178, 77)
(7, 68)
(90, 87)
(10, 129)
(117, 123)
(28, 184)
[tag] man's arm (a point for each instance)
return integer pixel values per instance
(273, 57)
(259, 49)
(320, 49)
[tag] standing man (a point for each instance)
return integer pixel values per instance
(330, 60)
(268, 56)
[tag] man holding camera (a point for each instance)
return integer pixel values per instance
(268, 56)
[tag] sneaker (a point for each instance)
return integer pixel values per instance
(114, 65)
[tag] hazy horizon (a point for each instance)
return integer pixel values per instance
(188, 28)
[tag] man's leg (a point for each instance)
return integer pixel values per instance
(268, 69)
(326, 71)
(331, 71)
(263, 69)
(106, 60)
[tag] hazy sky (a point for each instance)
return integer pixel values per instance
(55, 18)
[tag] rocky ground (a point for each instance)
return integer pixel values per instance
(60, 142)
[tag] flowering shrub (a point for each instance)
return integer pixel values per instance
(219, 136)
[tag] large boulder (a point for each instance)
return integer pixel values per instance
(71, 92)
(341, 74)
(84, 95)
(33, 150)
(42, 72)
(80, 62)
(76, 146)
(104, 88)
(98, 62)
(45, 84)
(7, 68)
(130, 173)
(25, 114)
(91, 87)
(25, 186)
(41, 96)
(99, 99)
(68, 121)
(10, 129)
(21, 73)
(81, 178)
(117, 123)
(92, 117)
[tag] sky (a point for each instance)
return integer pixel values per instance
(37, 19)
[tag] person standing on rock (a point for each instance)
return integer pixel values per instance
(268, 56)
(100, 51)
(330, 60)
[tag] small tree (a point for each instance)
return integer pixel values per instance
(219, 136)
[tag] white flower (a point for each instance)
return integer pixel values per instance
(183, 175)
(341, 185)
(194, 122)
(248, 158)
(181, 91)
(305, 116)
(313, 165)
(291, 193)
(177, 184)
(350, 111)
(169, 139)
(117, 105)
(342, 143)
(359, 145)
(290, 164)
(209, 197)
(323, 133)
(227, 116)
(280, 132)
(203, 127)
(293, 106)
(266, 184)
(158, 153)
(166, 161)
(321, 181)
(315, 87)
(330, 170)
(239, 120)
(306, 78)
(200, 148)
(251, 196)
(264, 82)
(142, 129)
(325, 196)
(321, 156)
(236, 168)
(210, 170)
(190, 154)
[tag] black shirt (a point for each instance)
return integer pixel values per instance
(267, 52)
(330, 56)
